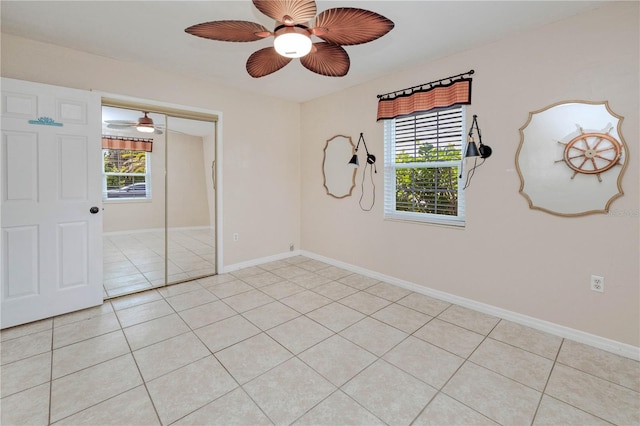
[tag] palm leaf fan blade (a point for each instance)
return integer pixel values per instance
(265, 61)
(120, 126)
(288, 12)
(238, 31)
(327, 59)
(349, 26)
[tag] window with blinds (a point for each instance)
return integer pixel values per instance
(423, 160)
(126, 174)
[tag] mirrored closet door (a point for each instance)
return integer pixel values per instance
(190, 199)
(158, 198)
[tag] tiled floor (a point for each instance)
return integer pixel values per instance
(300, 342)
(135, 261)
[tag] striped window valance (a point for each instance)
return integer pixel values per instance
(128, 143)
(423, 99)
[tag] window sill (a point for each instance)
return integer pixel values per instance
(126, 200)
(447, 223)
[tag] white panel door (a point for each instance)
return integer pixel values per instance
(50, 183)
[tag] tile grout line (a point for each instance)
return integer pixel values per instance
(370, 316)
(239, 385)
(296, 356)
(144, 382)
(339, 388)
(544, 389)
(378, 357)
(144, 242)
(486, 336)
(557, 362)
(465, 360)
(599, 377)
(51, 373)
(91, 366)
(438, 391)
(391, 302)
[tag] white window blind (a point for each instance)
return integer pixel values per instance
(423, 160)
(126, 174)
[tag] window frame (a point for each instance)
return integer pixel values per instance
(390, 176)
(146, 175)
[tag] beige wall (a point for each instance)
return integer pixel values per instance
(509, 256)
(261, 197)
(186, 181)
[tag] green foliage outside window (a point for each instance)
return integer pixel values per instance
(432, 189)
(127, 162)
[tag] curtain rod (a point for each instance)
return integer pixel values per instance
(420, 86)
(126, 138)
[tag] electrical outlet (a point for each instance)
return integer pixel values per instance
(291, 247)
(236, 236)
(597, 283)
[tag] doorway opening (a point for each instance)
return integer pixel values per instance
(159, 196)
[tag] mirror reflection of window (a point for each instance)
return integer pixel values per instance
(126, 173)
(133, 191)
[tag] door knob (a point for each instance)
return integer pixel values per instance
(94, 210)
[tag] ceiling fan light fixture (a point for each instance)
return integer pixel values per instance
(296, 22)
(145, 124)
(145, 129)
(292, 42)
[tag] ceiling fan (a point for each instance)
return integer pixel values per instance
(144, 124)
(337, 27)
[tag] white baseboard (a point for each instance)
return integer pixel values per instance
(255, 262)
(603, 343)
(130, 232)
(142, 231)
(599, 342)
(191, 228)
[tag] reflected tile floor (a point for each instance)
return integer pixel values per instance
(301, 342)
(135, 261)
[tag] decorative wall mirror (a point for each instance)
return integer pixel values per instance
(339, 175)
(571, 158)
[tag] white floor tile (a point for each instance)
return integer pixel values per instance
(220, 350)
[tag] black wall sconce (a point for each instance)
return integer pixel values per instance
(371, 161)
(483, 151)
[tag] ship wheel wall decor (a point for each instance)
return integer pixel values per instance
(571, 158)
(592, 153)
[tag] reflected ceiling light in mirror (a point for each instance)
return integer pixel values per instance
(145, 124)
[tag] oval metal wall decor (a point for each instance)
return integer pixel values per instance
(339, 176)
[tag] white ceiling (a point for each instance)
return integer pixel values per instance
(152, 33)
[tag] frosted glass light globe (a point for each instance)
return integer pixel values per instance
(292, 44)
